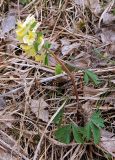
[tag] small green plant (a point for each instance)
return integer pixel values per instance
(81, 135)
(91, 76)
(33, 44)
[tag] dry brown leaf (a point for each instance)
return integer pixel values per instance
(8, 24)
(81, 3)
(107, 9)
(90, 91)
(108, 18)
(39, 108)
(108, 37)
(67, 47)
(54, 46)
(7, 119)
(94, 5)
(82, 60)
(87, 108)
(4, 155)
(108, 142)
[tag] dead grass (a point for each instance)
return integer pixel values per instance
(22, 133)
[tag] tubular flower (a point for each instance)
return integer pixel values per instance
(32, 41)
(29, 38)
(29, 50)
(40, 41)
(40, 58)
(24, 29)
(29, 20)
(20, 31)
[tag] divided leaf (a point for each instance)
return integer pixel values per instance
(46, 60)
(96, 133)
(86, 78)
(47, 45)
(90, 75)
(87, 132)
(78, 136)
(57, 120)
(97, 120)
(58, 69)
(63, 134)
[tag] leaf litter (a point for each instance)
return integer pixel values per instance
(27, 96)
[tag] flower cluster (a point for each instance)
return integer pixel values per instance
(31, 40)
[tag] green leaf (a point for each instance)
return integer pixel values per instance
(87, 132)
(38, 41)
(63, 134)
(36, 46)
(24, 1)
(46, 60)
(78, 136)
(57, 120)
(86, 78)
(96, 133)
(58, 69)
(92, 76)
(33, 25)
(113, 11)
(40, 37)
(47, 45)
(97, 120)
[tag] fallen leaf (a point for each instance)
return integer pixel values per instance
(67, 47)
(82, 60)
(108, 37)
(54, 46)
(108, 18)
(6, 155)
(108, 142)
(94, 5)
(65, 42)
(40, 109)
(8, 24)
(81, 3)
(87, 108)
(106, 10)
(90, 91)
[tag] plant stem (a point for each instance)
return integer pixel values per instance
(69, 74)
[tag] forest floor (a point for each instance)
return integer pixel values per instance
(82, 35)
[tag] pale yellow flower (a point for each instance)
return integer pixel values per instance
(39, 58)
(29, 20)
(41, 45)
(20, 31)
(40, 42)
(29, 38)
(29, 50)
(24, 27)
